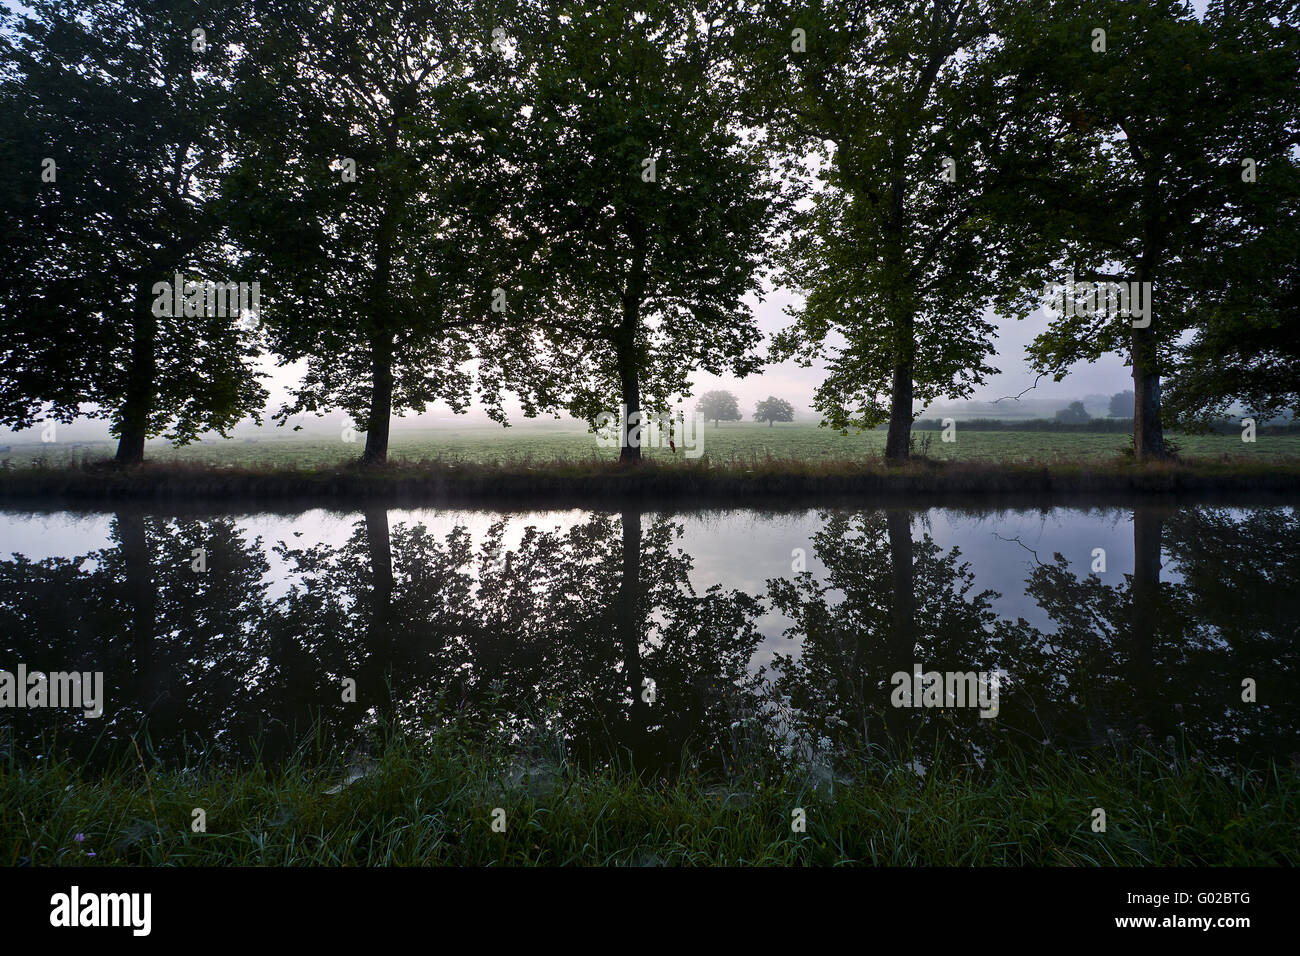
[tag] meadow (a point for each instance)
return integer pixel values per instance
(728, 442)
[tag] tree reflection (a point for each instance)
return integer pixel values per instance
(591, 641)
(178, 647)
(592, 638)
(886, 603)
(1153, 658)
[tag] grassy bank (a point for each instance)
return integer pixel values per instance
(433, 803)
(584, 481)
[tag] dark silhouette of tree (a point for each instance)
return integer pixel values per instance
(370, 173)
(1149, 658)
(135, 114)
(179, 648)
(903, 603)
(921, 121)
(1149, 184)
(652, 210)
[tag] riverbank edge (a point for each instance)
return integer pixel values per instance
(594, 483)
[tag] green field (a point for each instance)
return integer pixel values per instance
(726, 442)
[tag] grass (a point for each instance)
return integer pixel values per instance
(431, 801)
(742, 460)
(801, 442)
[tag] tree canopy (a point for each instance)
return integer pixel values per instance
(115, 139)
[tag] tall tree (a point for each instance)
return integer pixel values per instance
(917, 120)
(648, 208)
(1167, 127)
(114, 140)
(370, 177)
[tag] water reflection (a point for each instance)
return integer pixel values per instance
(601, 640)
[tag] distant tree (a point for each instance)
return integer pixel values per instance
(114, 146)
(773, 409)
(719, 406)
(1075, 414)
(1121, 404)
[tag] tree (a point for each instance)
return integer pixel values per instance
(649, 208)
(370, 176)
(115, 144)
(772, 410)
(1121, 405)
(1151, 182)
(719, 406)
(1245, 343)
(927, 118)
(1074, 414)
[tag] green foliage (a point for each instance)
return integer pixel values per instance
(1148, 143)
(138, 124)
(384, 279)
(637, 282)
(900, 252)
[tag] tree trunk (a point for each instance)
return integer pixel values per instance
(899, 443)
(380, 652)
(141, 602)
(1147, 612)
(902, 642)
(769, 424)
(134, 419)
(1148, 434)
(630, 390)
(629, 380)
(629, 627)
(381, 398)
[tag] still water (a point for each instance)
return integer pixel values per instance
(636, 634)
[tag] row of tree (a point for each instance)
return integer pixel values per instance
(572, 204)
